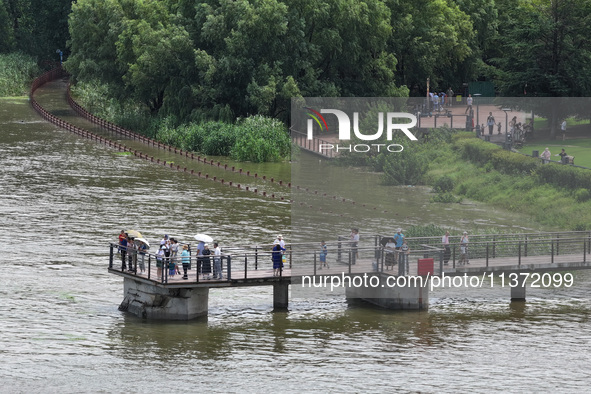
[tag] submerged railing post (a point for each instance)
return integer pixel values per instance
(487, 254)
(525, 249)
(315, 264)
(245, 266)
(256, 257)
(519, 254)
(149, 264)
(339, 251)
(454, 256)
(229, 267)
(111, 257)
(552, 252)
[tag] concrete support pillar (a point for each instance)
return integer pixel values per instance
(413, 296)
(152, 302)
(518, 292)
(280, 295)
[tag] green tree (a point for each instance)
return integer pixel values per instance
(431, 38)
(547, 53)
(6, 29)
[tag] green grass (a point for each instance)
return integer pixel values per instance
(542, 123)
(17, 70)
(556, 207)
(580, 148)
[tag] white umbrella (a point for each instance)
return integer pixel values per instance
(143, 240)
(203, 238)
(134, 233)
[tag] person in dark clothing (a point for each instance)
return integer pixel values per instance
(277, 258)
(123, 250)
(205, 262)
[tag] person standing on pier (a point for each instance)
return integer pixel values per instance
(186, 259)
(160, 261)
(121, 237)
(354, 242)
(279, 240)
(217, 261)
(446, 247)
(464, 249)
(277, 258)
(323, 253)
(123, 249)
(142, 248)
(399, 240)
(131, 254)
(205, 262)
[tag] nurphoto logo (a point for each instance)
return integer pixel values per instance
(392, 121)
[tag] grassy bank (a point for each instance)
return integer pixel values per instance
(554, 195)
(17, 70)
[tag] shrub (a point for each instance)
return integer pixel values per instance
(404, 168)
(564, 176)
(446, 197)
(582, 195)
(513, 163)
(261, 139)
(443, 184)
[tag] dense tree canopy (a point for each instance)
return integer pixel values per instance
(37, 27)
(223, 59)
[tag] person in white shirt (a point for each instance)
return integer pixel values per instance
(469, 104)
(217, 261)
(563, 129)
(464, 249)
(279, 240)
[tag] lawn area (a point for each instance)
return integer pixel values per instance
(580, 148)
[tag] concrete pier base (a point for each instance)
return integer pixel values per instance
(518, 292)
(280, 295)
(152, 302)
(410, 297)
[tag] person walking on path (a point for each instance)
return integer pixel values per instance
(446, 247)
(469, 104)
(450, 95)
(563, 129)
(490, 121)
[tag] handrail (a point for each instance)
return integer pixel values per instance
(313, 145)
